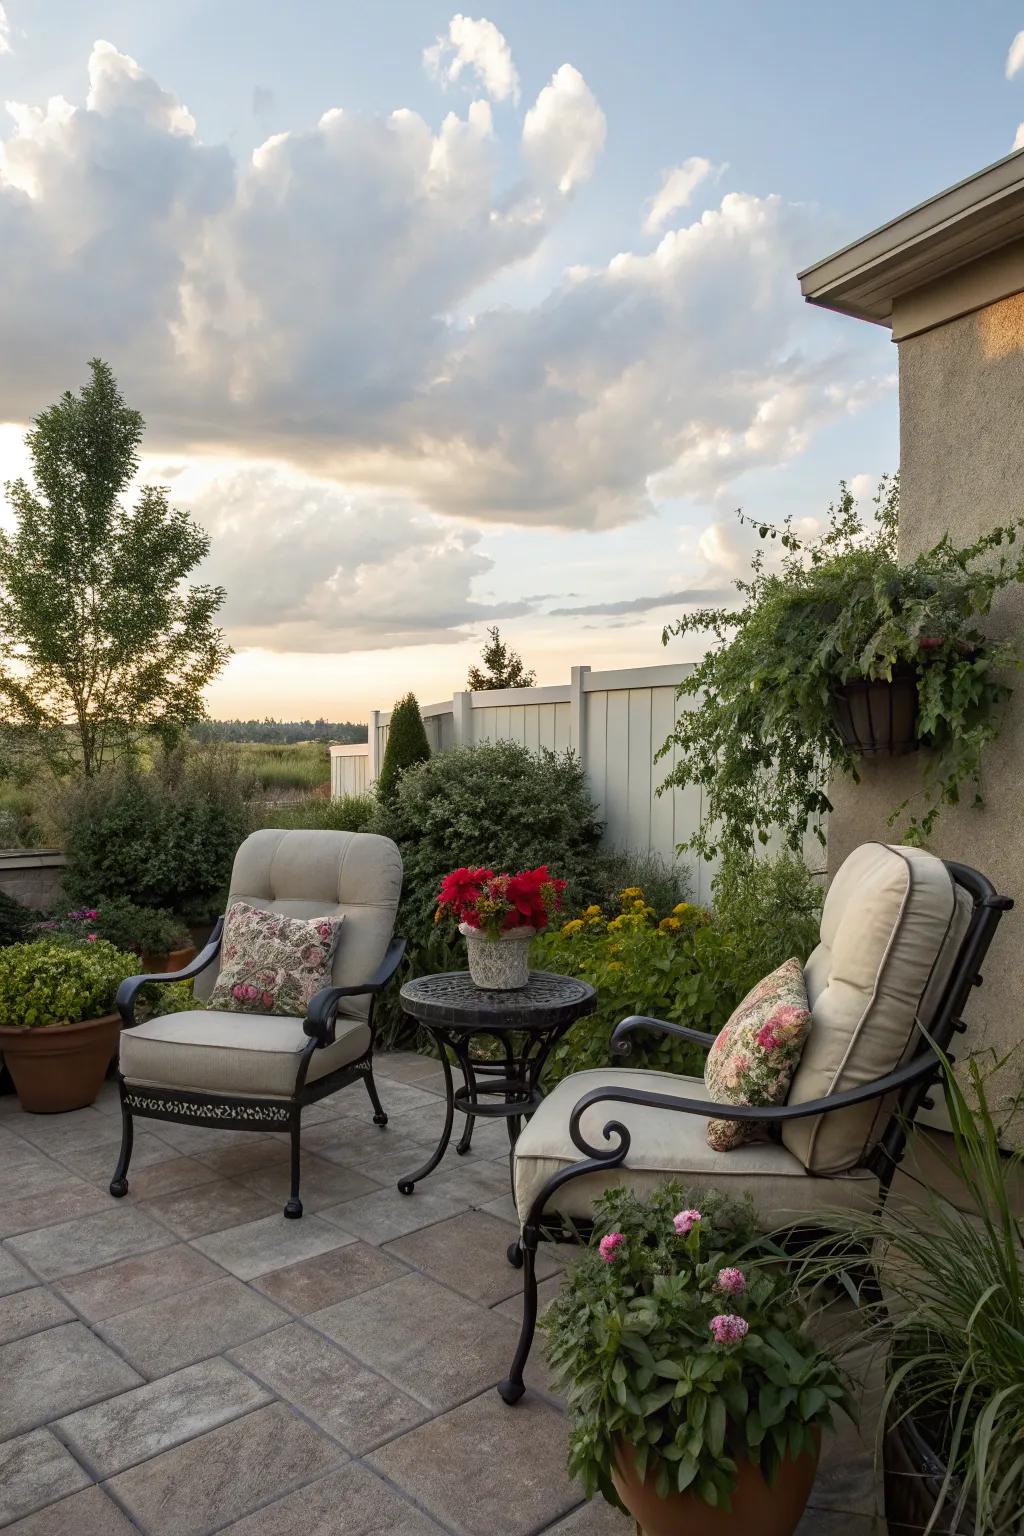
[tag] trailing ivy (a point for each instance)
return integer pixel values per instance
(761, 739)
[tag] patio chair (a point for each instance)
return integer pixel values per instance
(903, 935)
(257, 1072)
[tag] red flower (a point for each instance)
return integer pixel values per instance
(460, 890)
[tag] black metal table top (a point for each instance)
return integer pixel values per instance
(451, 998)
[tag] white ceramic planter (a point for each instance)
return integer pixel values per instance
(498, 965)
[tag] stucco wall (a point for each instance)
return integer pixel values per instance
(962, 469)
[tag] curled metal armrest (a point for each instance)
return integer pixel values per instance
(128, 991)
(323, 1005)
(924, 1066)
(620, 1041)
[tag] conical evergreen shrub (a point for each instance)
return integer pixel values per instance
(407, 745)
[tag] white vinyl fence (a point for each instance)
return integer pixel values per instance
(613, 721)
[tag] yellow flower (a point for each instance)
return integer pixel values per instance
(616, 924)
(592, 911)
(680, 908)
(670, 925)
(631, 893)
(575, 926)
(615, 965)
(640, 906)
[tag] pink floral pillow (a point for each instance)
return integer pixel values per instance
(271, 963)
(755, 1055)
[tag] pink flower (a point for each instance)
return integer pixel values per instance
(767, 1039)
(609, 1246)
(731, 1281)
(727, 1328)
(91, 938)
(684, 1220)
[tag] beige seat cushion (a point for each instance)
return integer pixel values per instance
(891, 926)
(357, 875)
(666, 1144)
(245, 1053)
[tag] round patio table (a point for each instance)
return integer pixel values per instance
(526, 1023)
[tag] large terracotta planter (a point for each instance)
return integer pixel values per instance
(757, 1510)
(502, 964)
(174, 960)
(60, 1067)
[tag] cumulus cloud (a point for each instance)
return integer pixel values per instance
(5, 32)
(319, 305)
(676, 190)
(1015, 57)
(476, 47)
(564, 131)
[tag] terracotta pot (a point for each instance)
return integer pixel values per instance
(878, 718)
(60, 1067)
(173, 960)
(502, 964)
(757, 1510)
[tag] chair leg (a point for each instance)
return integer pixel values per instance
(119, 1183)
(513, 1387)
(293, 1209)
(379, 1116)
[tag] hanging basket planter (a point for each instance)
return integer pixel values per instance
(877, 717)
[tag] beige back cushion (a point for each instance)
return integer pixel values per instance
(319, 874)
(891, 926)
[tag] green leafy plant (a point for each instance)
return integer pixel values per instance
(48, 982)
(149, 930)
(349, 813)
(762, 740)
(101, 637)
(164, 838)
(665, 885)
(689, 966)
(16, 920)
(951, 1321)
(672, 1337)
(497, 805)
(407, 745)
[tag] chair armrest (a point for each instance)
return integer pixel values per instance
(622, 1047)
(323, 1005)
(128, 991)
(924, 1066)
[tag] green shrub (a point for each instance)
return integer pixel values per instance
(16, 920)
(49, 982)
(690, 967)
(350, 813)
(407, 746)
(150, 930)
(664, 885)
(497, 804)
(166, 838)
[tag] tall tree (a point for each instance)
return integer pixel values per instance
(407, 745)
(101, 637)
(504, 667)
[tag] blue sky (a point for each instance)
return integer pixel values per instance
(414, 378)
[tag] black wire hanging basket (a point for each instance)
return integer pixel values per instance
(877, 717)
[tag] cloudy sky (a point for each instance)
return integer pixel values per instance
(441, 320)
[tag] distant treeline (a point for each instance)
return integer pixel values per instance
(283, 732)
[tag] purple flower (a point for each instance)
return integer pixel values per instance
(609, 1246)
(727, 1328)
(684, 1220)
(731, 1281)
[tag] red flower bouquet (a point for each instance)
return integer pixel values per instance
(495, 904)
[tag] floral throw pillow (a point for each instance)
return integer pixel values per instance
(754, 1057)
(271, 963)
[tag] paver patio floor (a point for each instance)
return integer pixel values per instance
(185, 1361)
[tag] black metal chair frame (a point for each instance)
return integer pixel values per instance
(910, 1083)
(238, 1112)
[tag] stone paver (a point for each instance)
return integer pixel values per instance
(112, 1233)
(260, 1246)
(35, 1469)
(164, 1335)
(52, 1373)
(485, 1470)
(187, 1361)
(423, 1337)
(329, 1277)
(130, 1428)
(349, 1401)
(225, 1474)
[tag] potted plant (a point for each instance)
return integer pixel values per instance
(160, 939)
(840, 651)
(696, 1398)
(948, 1318)
(498, 915)
(58, 1029)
